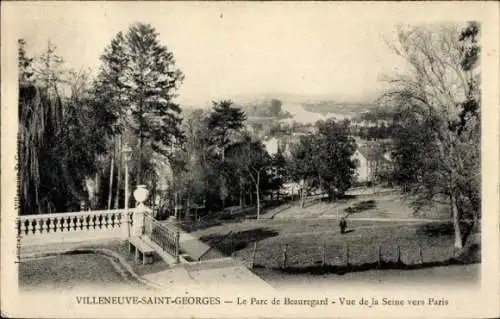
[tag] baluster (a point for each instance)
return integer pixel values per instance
(104, 221)
(79, 223)
(23, 227)
(38, 225)
(98, 221)
(85, 224)
(65, 224)
(71, 223)
(92, 222)
(45, 226)
(52, 225)
(60, 223)
(31, 226)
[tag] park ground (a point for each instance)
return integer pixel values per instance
(383, 231)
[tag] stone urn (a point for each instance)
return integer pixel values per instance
(141, 194)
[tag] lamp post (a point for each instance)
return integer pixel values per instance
(127, 154)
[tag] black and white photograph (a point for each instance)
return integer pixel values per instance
(233, 154)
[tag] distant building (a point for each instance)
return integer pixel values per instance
(372, 164)
(286, 142)
(271, 145)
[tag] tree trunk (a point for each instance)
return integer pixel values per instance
(118, 175)
(241, 192)
(176, 205)
(476, 207)
(223, 191)
(188, 207)
(475, 222)
(301, 198)
(257, 187)
(91, 190)
(110, 192)
(250, 195)
(456, 222)
(97, 193)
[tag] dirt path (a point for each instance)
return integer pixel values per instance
(309, 233)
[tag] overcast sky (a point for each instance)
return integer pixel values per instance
(229, 50)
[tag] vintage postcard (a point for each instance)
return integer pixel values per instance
(250, 159)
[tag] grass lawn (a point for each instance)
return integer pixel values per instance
(380, 227)
(308, 240)
(68, 272)
(71, 271)
(385, 206)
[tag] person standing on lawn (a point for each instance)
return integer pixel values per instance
(343, 225)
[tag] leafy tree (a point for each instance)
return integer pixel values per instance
(192, 179)
(251, 160)
(60, 135)
(438, 107)
(324, 160)
(25, 63)
(224, 120)
(224, 123)
(333, 157)
(138, 76)
(279, 173)
(301, 166)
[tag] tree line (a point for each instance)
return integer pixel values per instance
(73, 126)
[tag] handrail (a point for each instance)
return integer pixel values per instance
(164, 236)
(75, 214)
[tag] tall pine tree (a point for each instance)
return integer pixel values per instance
(138, 80)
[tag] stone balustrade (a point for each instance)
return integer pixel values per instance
(71, 226)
